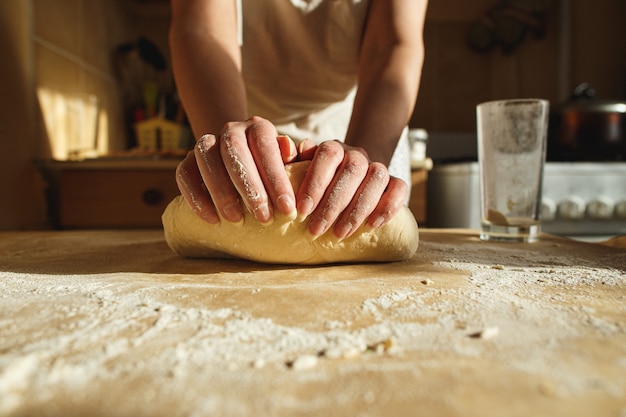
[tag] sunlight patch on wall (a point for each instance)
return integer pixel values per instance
(76, 125)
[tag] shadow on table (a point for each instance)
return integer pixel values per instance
(102, 252)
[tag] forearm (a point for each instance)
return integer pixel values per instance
(207, 66)
(389, 76)
(382, 109)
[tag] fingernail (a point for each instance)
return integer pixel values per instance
(285, 204)
(305, 207)
(318, 227)
(209, 218)
(378, 221)
(232, 213)
(291, 152)
(206, 142)
(263, 214)
(343, 230)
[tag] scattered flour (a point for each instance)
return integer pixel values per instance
(69, 331)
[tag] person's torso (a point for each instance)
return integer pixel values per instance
(300, 56)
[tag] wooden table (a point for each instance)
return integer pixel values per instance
(111, 323)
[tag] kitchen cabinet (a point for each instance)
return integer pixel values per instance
(133, 193)
(110, 193)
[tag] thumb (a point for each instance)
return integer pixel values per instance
(306, 150)
(287, 147)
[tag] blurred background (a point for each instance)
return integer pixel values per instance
(81, 78)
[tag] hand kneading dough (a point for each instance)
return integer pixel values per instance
(286, 241)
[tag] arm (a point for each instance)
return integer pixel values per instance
(243, 163)
(206, 61)
(390, 65)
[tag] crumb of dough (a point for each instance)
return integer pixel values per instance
(486, 333)
(304, 362)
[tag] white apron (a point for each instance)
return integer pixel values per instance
(312, 95)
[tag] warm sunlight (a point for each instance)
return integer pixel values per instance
(76, 125)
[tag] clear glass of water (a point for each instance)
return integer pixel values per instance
(512, 138)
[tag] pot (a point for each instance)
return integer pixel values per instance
(587, 129)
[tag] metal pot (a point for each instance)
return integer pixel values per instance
(587, 129)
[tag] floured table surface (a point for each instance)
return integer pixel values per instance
(111, 323)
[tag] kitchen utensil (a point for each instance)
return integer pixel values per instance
(587, 129)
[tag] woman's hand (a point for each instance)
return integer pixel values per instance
(245, 164)
(343, 187)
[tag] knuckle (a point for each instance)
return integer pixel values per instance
(355, 163)
(352, 167)
(257, 119)
(261, 131)
(232, 143)
(205, 143)
(399, 185)
(228, 126)
(379, 172)
(396, 192)
(183, 169)
(227, 137)
(330, 150)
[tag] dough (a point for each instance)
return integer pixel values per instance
(286, 241)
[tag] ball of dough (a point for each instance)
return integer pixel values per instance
(285, 240)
